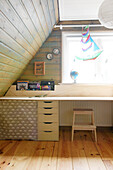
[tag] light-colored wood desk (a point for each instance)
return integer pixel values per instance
(102, 106)
(59, 98)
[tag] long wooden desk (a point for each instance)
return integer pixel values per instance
(58, 98)
(19, 115)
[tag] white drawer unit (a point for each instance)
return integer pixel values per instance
(49, 126)
(48, 120)
(47, 109)
(48, 104)
(48, 135)
(52, 117)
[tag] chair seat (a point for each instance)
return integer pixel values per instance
(84, 127)
(77, 109)
(83, 111)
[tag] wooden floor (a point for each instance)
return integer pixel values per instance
(81, 154)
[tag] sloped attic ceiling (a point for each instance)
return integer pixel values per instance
(24, 26)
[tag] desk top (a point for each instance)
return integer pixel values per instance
(57, 98)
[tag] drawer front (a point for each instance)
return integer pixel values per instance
(47, 110)
(48, 126)
(46, 117)
(48, 135)
(48, 103)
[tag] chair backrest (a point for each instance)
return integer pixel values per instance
(84, 111)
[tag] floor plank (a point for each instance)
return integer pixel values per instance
(105, 148)
(64, 152)
(4, 146)
(47, 157)
(81, 154)
(23, 155)
(93, 156)
(78, 154)
(37, 157)
(108, 164)
(8, 155)
(54, 160)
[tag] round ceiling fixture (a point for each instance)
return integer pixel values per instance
(105, 14)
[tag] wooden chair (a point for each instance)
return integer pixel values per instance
(91, 126)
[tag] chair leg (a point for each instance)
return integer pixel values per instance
(72, 133)
(95, 135)
(92, 118)
(73, 126)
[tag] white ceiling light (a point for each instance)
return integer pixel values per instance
(105, 14)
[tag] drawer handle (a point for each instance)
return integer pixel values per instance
(47, 113)
(48, 122)
(48, 131)
(47, 101)
(47, 107)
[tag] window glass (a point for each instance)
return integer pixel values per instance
(99, 71)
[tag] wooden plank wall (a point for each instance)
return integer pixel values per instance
(24, 26)
(52, 67)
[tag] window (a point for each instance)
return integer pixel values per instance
(98, 71)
